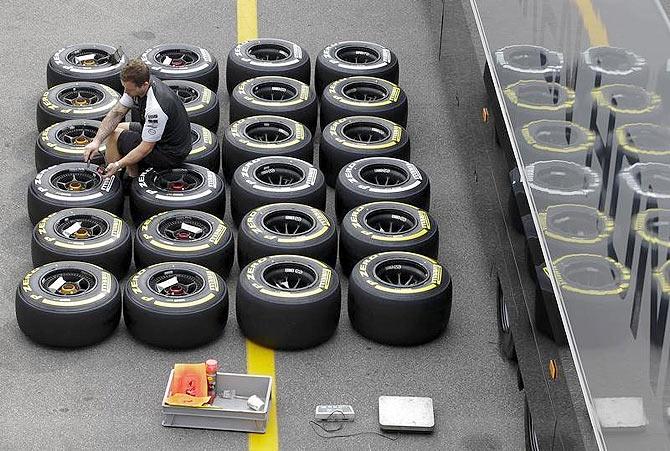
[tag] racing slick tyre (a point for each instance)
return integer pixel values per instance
(188, 236)
(183, 62)
(68, 304)
(386, 226)
(286, 228)
(270, 180)
(399, 298)
(64, 142)
(75, 100)
(70, 185)
(352, 58)
(266, 56)
(352, 138)
(363, 96)
(206, 150)
(262, 136)
(175, 305)
(288, 302)
(202, 104)
(85, 234)
(505, 337)
(278, 96)
(380, 179)
(530, 434)
(187, 187)
(98, 63)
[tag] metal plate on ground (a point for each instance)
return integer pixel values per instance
(406, 413)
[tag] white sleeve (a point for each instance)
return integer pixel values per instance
(155, 120)
(126, 101)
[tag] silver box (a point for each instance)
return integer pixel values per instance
(406, 413)
(225, 414)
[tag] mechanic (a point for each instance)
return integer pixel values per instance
(163, 137)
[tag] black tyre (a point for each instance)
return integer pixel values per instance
(287, 228)
(202, 104)
(399, 298)
(185, 235)
(75, 100)
(505, 338)
(263, 136)
(363, 96)
(380, 179)
(183, 62)
(351, 58)
(64, 142)
(68, 304)
(85, 234)
(288, 302)
(70, 185)
(352, 138)
(175, 305)
(383, 227)
(270, 180)
(206, 150)
(86, 62)
(531, 440)
(188, 187)
(266, 56)
(278, 96)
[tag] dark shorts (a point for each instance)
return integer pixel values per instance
(131, 138)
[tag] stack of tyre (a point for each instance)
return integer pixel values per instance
(82, 247)
(288, 294)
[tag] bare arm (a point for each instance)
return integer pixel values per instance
(133, 157)
(110, 122)
(137, 154)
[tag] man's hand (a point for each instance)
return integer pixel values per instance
(91, 150)
(111, 169)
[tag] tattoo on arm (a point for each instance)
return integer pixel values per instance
(111, 121)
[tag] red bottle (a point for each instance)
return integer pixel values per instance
(212, 368)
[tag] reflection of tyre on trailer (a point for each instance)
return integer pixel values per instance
(574, 132)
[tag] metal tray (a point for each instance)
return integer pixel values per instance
(224, 414)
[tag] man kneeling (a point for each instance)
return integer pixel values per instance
(162, 138)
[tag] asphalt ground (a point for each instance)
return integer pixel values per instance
(108, 396)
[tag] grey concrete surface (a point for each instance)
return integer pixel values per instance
(108, 396)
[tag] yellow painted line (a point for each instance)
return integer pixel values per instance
(261, 360)
(594, 25)
(247, 20)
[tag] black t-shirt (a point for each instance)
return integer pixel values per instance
(163, 117)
